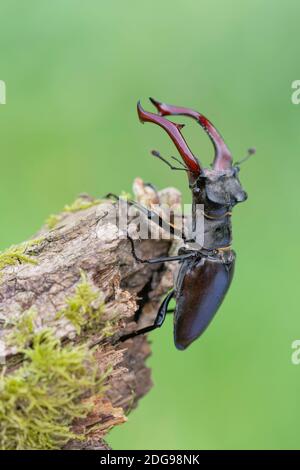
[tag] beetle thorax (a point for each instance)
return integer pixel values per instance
(218, 193)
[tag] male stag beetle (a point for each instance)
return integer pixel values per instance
(205, 274)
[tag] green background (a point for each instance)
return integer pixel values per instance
(74, 71)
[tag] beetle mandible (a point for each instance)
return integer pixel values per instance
(205, 274)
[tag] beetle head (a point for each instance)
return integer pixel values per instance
(220, 184)
(219, 187)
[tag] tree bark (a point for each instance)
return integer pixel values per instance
(85, 240)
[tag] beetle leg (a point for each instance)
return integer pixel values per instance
(162, 259)
(160, 318)
(223, 158)
(153, 216)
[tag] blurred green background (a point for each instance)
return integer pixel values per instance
(74, 71)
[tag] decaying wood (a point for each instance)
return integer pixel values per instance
(87, 241)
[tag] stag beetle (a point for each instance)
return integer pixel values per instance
(205, 274)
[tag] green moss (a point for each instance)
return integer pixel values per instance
(40, 400)
(35, 242)
(81, 309)
(17, 254)
(24, 329)
(108, 329)
(79, 204)
(53, 220)
(126, 195)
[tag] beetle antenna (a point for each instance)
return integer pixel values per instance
(156, 154)
(178, 161)
(250, 152)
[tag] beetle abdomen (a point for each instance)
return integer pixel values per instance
(200, 290)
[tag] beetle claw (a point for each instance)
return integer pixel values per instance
(157, 104)
(223, 158)
(173, 130)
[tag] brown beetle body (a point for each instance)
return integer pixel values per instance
(200, 289)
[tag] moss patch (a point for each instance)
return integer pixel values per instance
(23, 332)
(84, 308)
(17, 254)
(126, 195)
(53, 220)
(40, 400)
(79, 204)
